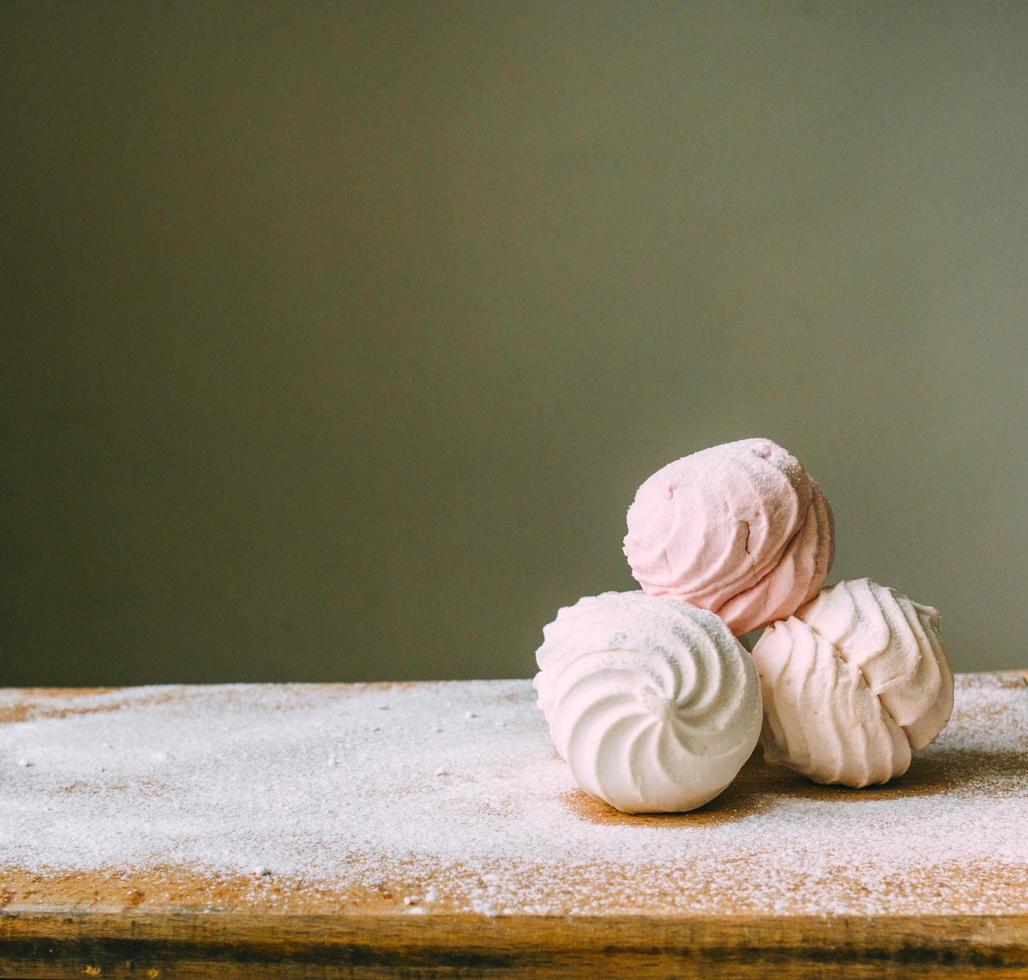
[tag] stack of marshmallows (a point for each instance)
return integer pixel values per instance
(654, 703)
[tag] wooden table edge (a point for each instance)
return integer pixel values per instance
(63, 942)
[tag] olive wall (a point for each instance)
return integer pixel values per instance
(339, 336)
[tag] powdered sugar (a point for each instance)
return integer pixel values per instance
(449, 794)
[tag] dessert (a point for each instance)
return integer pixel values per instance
(852, 684)
(740, 529)
(653, 703)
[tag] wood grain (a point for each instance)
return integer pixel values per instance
(65, 943)
(177, 922)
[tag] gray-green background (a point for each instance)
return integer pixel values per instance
(337, 336)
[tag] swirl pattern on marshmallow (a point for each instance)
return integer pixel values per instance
(740, 529)
(852, 684)
(653, 703)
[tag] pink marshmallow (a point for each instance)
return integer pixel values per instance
(740, 529)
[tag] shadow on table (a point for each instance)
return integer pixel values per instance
(758, 787)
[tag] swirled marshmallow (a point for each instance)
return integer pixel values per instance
(740, 529)
(852, 684)
(652, 702)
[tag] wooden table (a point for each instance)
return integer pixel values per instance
(160, 918)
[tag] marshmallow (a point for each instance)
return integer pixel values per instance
(852, 684)
(652, 702)
(740, 529)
